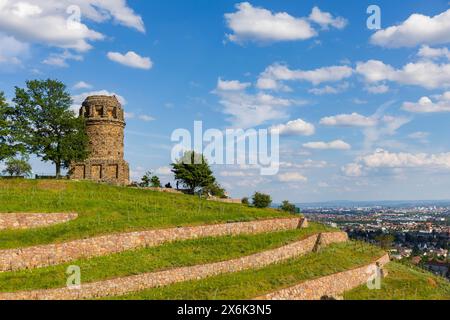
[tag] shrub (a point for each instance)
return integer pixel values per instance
(286, 206)
(261, 200)
(155, 182)
(246, 201)
(146, 180)
(215, 190)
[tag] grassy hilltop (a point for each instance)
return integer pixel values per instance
(106, 209)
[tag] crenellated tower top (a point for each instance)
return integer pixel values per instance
(102, 108)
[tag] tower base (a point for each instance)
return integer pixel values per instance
(99, 170)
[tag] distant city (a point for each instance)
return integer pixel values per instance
(416, 232)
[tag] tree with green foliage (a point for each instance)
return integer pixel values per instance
(146, 179)
(17, 167)
(245, 201)
(9, 147)
(286, 206)
(46, 124)
(261, 200)
(155, 182)
(385, 240)
(215, 190)
(193, 172)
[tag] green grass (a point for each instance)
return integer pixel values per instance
(253, 283)
(172, 255)
(405, 283)
(106, 209)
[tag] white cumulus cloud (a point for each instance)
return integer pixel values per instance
(12, 51)
(63, 23)
(131, 59)
(433, 53)
(416, 30)
(349, 120)
(258, 24)
(353, 170)
(441, 103)
(233, 85)
(292, 177)
(333, 145)
(382, 159)
(296, 127)
(60, 59)
(250, 23)
(326, 19)
(426, 74)
(250, 110)
(276, 73)
(82, 85)
(330, 89)
(385, 159)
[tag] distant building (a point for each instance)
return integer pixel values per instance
(105, 124)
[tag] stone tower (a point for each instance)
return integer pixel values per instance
(105, 124)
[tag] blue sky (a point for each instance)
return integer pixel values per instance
(364, 113)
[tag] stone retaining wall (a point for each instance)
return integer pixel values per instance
(331, 286)
(164, 190)
(121, 286)
(33, 220)
(52, 254)
(328, 238)
(234, 201)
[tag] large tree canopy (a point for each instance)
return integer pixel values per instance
(193, 171)
(46, 124)
(8, 146)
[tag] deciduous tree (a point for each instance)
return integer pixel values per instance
(46, 124)
(17, 167)
(9, 146)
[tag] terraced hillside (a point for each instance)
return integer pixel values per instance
(139, 244)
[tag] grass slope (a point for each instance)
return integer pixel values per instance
(106, 209)
(253, 283)
(405, 283)
(172, 255)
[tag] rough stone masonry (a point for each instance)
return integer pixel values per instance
(105, 124)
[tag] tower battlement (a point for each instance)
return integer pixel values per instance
(102, 108)
(105, 123)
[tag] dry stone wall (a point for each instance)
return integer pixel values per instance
(234, 201)
(328, 238)
(46, 255)
(332, 286)
(121, 286)
(33, 220)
